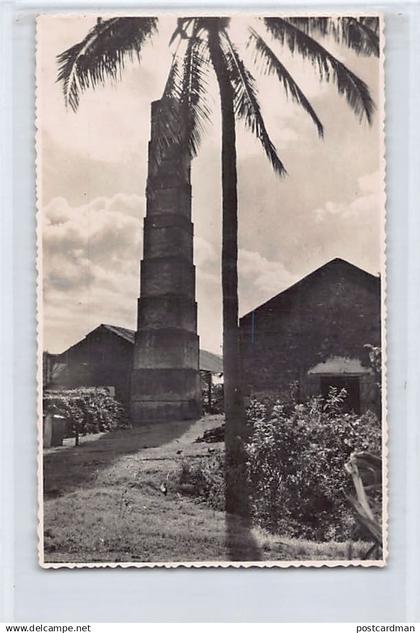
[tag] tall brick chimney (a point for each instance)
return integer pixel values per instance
(165, 383)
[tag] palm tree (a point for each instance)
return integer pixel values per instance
(204, 43)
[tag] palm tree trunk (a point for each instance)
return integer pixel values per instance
(233, 399)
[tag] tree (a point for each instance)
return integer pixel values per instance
(205, 43)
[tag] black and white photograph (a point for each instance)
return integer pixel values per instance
(211, 290)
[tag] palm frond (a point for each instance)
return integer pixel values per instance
(212, 23)
(196, 112)
(329, 67)
(372, 22)
(246, 103)
(183, 110)
(273, 66)
(102, 53)
(360, 34)
(168, 128)
(181, 29)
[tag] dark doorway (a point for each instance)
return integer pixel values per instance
(350, 383)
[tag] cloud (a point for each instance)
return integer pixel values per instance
(204, 252)
(91, 259)
(326, 206)
(104, 228)
(259, 279)
(261, 274)
(362, 206)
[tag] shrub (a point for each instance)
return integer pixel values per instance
(86, 410)
(217, 405)
(205, 480)
(296, 455)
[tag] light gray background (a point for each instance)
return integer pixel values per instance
(136, 595)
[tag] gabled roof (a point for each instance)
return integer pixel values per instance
(337, 264)
(207, 362)
(124, 332)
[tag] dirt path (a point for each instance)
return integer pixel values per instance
(67, 468)
(104, 500)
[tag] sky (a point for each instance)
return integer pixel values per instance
(92, 170)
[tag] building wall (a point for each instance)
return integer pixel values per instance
(332, 313)
(105, 359)
(101, 359)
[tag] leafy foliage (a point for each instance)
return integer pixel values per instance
(375, 361)
(185, 108)
(216, 397)
(86, 410)
(196, 112)
(102, 53)
(273, 66)
(296, 457)
(360, 34)
(204, 479)
(245, 101)
(329, 67)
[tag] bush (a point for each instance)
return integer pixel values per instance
(217, 404)
(86, 410)
(296, 455)
(205, 480)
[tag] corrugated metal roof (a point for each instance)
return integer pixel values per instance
(124, 332)
(208, 361)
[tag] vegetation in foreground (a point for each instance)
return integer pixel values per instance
(296, 456)
(86, 410)
(118, 498)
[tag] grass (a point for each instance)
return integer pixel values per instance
(103, 503)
